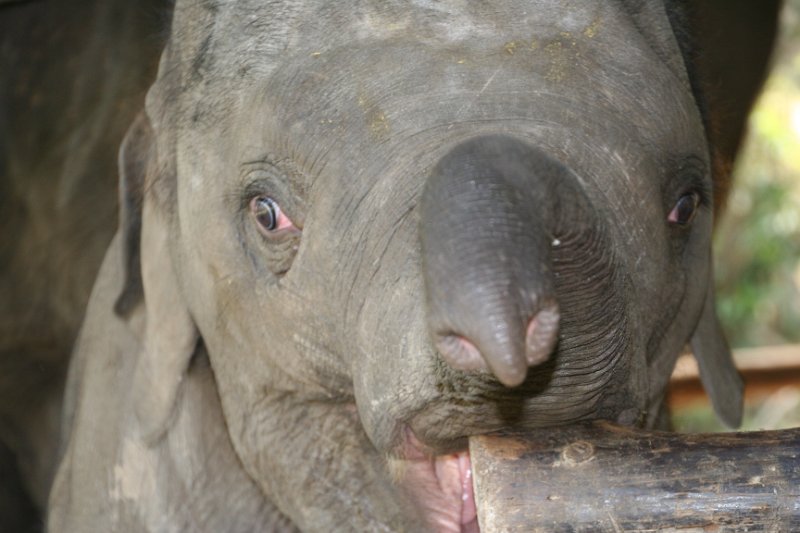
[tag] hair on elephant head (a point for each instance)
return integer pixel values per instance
(394, 227)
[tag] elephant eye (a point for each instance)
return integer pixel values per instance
(268, 215)
(685, 209)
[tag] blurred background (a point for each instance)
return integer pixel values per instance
(757, 256)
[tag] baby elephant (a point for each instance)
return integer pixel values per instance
(355, 234)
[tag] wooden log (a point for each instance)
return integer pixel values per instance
(603, 477)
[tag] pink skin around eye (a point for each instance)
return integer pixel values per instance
(284, 222)
(674, 215)
(672, 218)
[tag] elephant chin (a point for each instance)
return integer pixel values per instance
(440, 486)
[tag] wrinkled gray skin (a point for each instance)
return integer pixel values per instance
(492, 179)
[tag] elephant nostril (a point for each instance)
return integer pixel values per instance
(504, 356)
(542, 334)
(460, 353)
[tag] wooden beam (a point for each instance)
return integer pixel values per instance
(765, 370)
(602, 477)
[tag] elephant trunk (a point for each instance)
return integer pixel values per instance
(488, 222)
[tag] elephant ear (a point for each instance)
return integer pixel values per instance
(170, 336)
(717, 371)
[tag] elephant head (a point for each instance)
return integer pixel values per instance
(392, 226)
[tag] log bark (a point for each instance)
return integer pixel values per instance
(603, 477)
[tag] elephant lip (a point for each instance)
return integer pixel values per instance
(440, 485)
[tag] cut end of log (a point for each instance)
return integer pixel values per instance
(603, 477)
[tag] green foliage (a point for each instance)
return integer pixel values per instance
(757, 248)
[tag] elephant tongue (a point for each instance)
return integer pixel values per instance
(454, 473)
(442, 488)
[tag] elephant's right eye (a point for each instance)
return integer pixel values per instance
(685, 209)
(268, 216)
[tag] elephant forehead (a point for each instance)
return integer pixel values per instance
(329, 51)
(244, 31)
(263, 31)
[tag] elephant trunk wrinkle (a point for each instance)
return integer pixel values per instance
(488, 215)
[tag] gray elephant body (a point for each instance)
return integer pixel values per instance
(309, 323)
(190, 481)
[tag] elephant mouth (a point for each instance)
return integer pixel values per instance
(440, 486)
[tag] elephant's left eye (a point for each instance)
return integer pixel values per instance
(685, 209)
(268, 216)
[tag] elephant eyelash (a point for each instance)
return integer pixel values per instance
(260, 188)
(703, 189)
(252, 190)
(692, 176)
